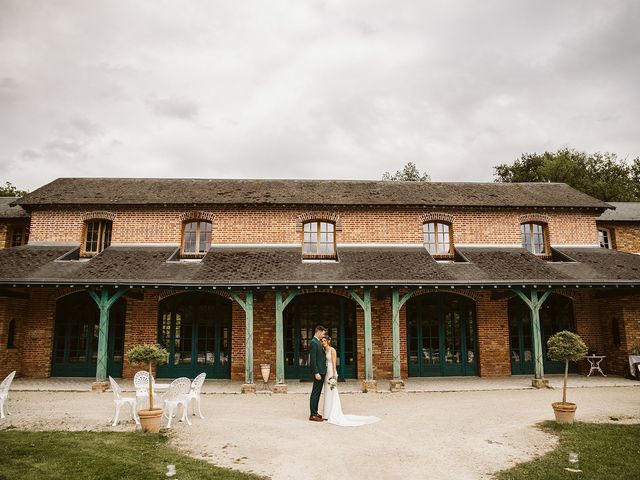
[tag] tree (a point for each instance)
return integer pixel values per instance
(10, 190)
(409, 173)
(601, 175)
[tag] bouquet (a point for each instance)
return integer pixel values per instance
(333, 382)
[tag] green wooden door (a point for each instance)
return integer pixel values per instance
(556, 314)
(196, 330)
(441, 336)
(75, 339)
(337, 314)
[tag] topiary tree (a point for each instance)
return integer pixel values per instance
(148, 354)
(566, 346)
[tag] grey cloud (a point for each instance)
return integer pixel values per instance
(181, 108)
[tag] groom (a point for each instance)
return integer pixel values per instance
(318, 363)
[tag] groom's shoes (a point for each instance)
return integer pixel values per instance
(315, 418)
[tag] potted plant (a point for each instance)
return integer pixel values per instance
(149, 354)
(565, 346)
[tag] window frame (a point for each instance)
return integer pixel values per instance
(319, 256)
(437, 254)
(11, 334)
(24, 235)
(103, 241)
(608, 235)
(545, 238)
(198, 253)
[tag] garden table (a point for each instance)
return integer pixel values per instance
(594, 361)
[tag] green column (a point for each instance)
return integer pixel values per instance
(104, 302)
(365, 303)
(534, 303)
(396, 306)
(280, 306)
(247, 306)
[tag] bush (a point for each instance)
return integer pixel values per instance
(147, 353)
(566, 346)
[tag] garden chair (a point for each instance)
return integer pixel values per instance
(119, 401)
(4, 393)
(141, 384)
(194, 394)
(177, 396)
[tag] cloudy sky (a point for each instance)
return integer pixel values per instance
(310, 89)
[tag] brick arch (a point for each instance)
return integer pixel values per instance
(98, 215)
(333, 217)
(474, 295)
(534, 218)
(196, 215)
(68, 291)
(170, 293)
(437, 217)
(334, 291)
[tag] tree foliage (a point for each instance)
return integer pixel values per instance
(10, 190)
(147, 353)
(566, 345)
(601, 175)
(409, 173)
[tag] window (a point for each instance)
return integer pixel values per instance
(437, 239)
(604, 237)
(11, 334)
(196, 239)
(18, 235)
(97, 236)
(534, 238)
(319, 240)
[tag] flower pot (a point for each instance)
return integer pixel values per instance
(150, 420)
(265, 370)
(565, 412)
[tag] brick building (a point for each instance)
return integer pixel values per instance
(412, 279)
(620, 228)
(14, 224)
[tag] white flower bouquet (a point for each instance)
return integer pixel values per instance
(333, 382)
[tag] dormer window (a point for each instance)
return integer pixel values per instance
(196, 239)
(97, 236)
(18, 235)
(438, 239)
(319, 240)
(604, 237)
(534, 237)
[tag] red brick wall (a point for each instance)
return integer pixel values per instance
(493, 336)
(11, 309)
(278, 225)
(38, 333)
(141, 326)
(625, 236)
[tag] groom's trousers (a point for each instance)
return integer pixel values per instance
(315, 395)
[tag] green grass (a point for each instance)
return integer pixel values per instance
(605, 451)
(98, 455)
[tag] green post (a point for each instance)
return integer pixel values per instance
(247, 306)
(534, 303)
(396, 306)
(280, 306)
(365, 303)
(104, 303)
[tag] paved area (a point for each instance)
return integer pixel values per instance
(464, 434)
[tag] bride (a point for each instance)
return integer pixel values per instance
(332, 407)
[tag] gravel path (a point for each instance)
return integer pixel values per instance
(461, 435)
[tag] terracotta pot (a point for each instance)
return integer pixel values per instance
(150, 420)
(565, 412)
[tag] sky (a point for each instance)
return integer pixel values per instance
(311, 89)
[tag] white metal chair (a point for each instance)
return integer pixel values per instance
(4, 393)
(119, 401)
(141, 384)
(177, 396)
(194, 394)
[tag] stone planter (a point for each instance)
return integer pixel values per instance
(565, 412)
(265, 371)
(150, 420)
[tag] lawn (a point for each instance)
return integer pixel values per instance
(104, 455)
(605, 451)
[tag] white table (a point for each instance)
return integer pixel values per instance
(594, 361)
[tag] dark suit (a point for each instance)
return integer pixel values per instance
(318, 364)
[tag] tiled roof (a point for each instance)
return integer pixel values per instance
(283, 266)
(7, 211)
(146, 191)
(624, 212)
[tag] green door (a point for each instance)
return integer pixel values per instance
(556, 314)
(196, 330)
(75, 339)
(441, 336)
(337, 314)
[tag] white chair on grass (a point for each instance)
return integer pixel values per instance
(119, 401)
(176, 396)
(4, 393)
(194, 394)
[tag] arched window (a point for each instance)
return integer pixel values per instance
(534, 237)
(11, 334)
(196, 238)
(319, 240)
(438, 239)
(97, 236)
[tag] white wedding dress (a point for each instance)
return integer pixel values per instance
(333, 408)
